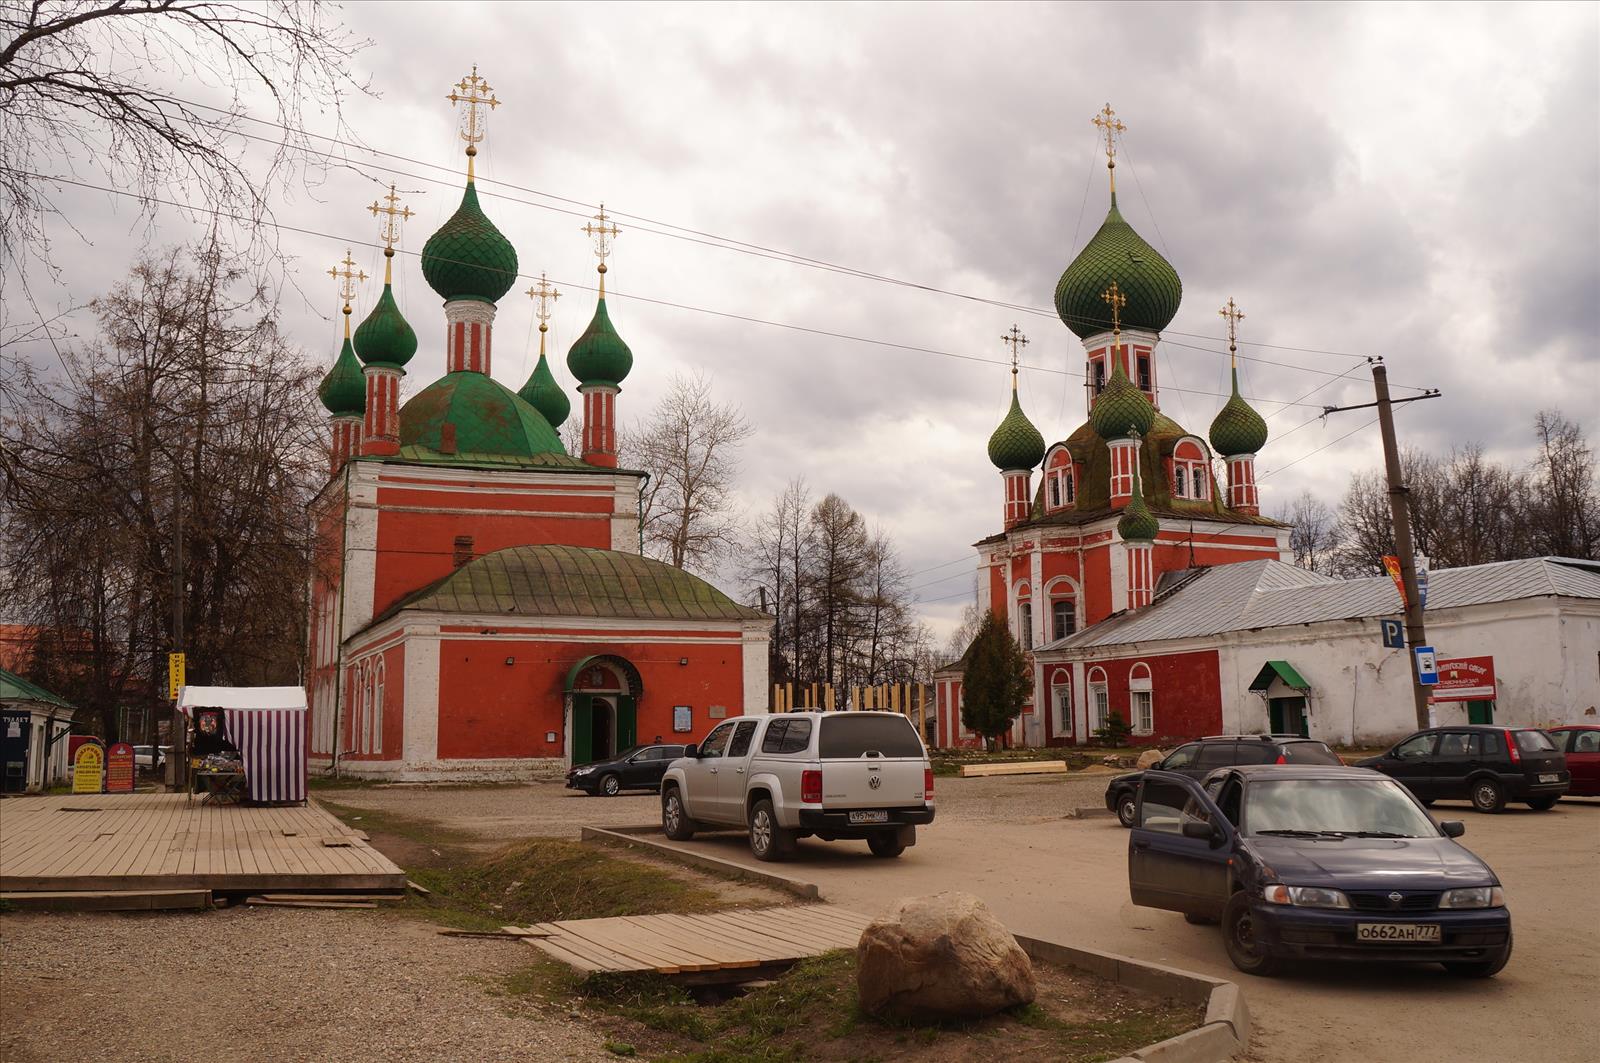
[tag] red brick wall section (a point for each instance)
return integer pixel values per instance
(1187, 689)
(491, 709)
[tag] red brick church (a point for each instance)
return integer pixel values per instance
(1126, 504)
(479, 605)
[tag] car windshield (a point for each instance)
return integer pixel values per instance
(1534, 742)
(1334, 807)
(626, 753)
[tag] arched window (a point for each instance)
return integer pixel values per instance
(1099, 698)
(1099, 376)
(1059, 488)
(1063, 595)
(1023, 629)
(1180, 482)
(1190, 473)
(1141, 700)
(378, 683)
(1061, 703)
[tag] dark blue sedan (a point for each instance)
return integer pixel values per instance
(1316, 863)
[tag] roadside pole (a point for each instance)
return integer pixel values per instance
(1400, 516)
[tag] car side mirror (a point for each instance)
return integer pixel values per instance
(1196, 828)
(691, 750)
(1453, 828)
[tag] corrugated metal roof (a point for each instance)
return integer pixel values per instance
(1270, 593)
(575, 581)
(15, 688)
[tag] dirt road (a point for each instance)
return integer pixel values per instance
(1066, 879)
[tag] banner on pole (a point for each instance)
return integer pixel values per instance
(1391, 565)
(175, 675)
(1421, 563)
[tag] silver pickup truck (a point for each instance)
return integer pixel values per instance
(797, 775)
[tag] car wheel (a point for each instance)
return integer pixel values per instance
(1128, 809)
(1487, 796)
(1243, 942)
(1543, 804)
(768, 841)
(885, 845)
(610, 785)
(1483, 968)
(675, 821)
(1198, 920)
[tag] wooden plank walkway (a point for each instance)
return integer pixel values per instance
(690, 944)
(83, 842)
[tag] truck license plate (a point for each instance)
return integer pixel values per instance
(1550, 778)
(875, 816)
(1413, 933)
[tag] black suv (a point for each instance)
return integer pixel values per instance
(1485, 765)
(1199, 759)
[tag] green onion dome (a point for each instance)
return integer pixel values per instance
(1121, 409)
(1137, 522)
(386, 337)
(488, 417)
(1117, 253)
(1016, 445)
(468, 258)
(344, 390)
(1238, 429)
(599, 356)
(545, 395)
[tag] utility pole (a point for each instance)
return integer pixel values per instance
(179, 760)
(1400, 516)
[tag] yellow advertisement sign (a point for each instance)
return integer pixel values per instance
(86, 768)
(175, 669)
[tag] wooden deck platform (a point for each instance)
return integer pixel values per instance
(86, 842)
(742, 941)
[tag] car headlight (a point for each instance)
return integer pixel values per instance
(1475, 897)
(583, 771)
(1306, 897)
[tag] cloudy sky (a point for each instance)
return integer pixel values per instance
(1417, 182)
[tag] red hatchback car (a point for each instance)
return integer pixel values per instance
(1581, 744)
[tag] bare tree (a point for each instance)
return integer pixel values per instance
(1313, 532)
(838, 562)
(1566, 507)
(965, 632)
(189, 425)
(690, 448)
(88, 82)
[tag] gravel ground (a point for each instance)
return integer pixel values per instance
(267, 984)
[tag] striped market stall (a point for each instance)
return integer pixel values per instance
(267, 725)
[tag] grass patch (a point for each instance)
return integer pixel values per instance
(421, 831)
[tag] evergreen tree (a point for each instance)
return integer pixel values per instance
(995, 682)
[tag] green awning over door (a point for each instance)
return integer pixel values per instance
(1278, 670)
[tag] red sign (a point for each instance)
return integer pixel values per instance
(119, 769)
(1465, 679)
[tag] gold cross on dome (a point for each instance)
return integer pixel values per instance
(603, 232)
(545, 293)
(475, 92)
(1117, 301)
(1234, 316)
(347, 277)
(393, 215)
(1107, 122)
(1016, 341)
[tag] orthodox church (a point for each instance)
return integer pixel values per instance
(1127, 504)
(479, 605)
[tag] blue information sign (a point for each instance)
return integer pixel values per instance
(1394, 636)
(1427, 666)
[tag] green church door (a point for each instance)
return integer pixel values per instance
(1480, 712)
(582, 731)
(1289, 717)
(627, 722)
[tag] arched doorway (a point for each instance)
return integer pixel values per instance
(602, 707)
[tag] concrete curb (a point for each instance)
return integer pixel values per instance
(633, 838)
(1225, 1032)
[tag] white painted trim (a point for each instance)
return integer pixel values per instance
(753, 669)
(420, 740)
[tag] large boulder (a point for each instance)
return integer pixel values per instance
(1150, 757)
(938, 957)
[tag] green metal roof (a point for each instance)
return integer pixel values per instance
(1117, 253)
(468, 258)
(545, 395)
(15, 688)
(575, 581)
(386, 337)
(1238, 429)
(1016, 444)
(1121, 409)
(600, 356)
(1278, 670)
(344, 390)
(1138, 523)
(488, 417)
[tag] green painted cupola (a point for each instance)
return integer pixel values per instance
(386, 337)
(1016, 445)
(1238, 429)
(1116, 252)
(600, 356)
(545, 395)
(343, 391)
(1138, 524)
(1121, 409)
(468, 258)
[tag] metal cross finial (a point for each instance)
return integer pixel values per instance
(1113, 295)
(1107, 122)
(1016, 341)
(604, 230)
(546, 293)
(475, 92)
(1234, 316)
(347, 279)
(393, 215)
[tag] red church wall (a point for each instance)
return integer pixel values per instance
(491, 709)
(360, 718)
(1186, 689)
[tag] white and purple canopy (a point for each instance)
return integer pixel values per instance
(268, 725)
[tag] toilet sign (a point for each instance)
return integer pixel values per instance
(1427, 666)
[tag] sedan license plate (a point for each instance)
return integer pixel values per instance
(1411, 933)
(1550, 778)
(875, 816)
